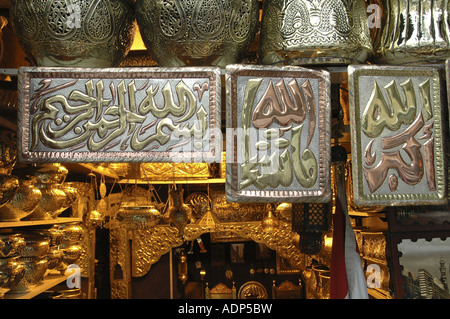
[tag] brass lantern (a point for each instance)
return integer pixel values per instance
(310, 221)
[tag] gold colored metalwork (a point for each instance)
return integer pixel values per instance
(148, 245)
(414, 32)
(272, 155)
(398, 154)
(75, 34)
(119, 115)
(314, 32)
(168, 171)
(200, 32)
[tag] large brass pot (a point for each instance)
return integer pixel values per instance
(12, 272)
(301, 32)
(35, 269)
(413, 32)
(11, 244)
(53, 201)
(198, 32)
(9, 185)
(24, 202)
(83, 33)
(36, 245)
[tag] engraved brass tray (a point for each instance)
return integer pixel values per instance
(278, 134)
(119, 114)
(398, 155)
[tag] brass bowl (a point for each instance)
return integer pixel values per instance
(36, 246)
(24, 202)
(52, 203)
(71, 196)
(71, 253)
(35, 269)
(138, 216)
(54, 233)
(304, 32)
(72, 233)
(12, 272)
(198, 32)
(11, 245)
(84, 33)
(75, 293)
(55, 257)
(51, 174)
(9, 185)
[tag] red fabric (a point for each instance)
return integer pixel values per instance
(338, 274)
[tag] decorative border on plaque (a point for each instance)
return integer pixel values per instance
(119, 114)
(278, 134)
(397, 139)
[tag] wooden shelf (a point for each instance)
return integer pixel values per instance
(25, 223)
(176, 181)
(51, 279)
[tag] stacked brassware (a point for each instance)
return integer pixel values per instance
(12, 270)
(34, 257)
(73, 234)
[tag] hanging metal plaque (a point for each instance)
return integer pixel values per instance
(397, 142)
(278, 134)
(119, 115)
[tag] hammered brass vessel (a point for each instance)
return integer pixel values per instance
(37, 246)
(11, 244)
(12, 272)
(24, 202)
(298, 32)
(140, 216)
(53, 201)
(414, 32)
(87, 33)
(35, 269)
(199, 32)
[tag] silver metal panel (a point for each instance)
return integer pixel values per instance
(398, 155)
(119, 115)
(278, 134)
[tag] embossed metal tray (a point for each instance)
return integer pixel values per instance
(119, 115)
(278, 134)
(397, 139)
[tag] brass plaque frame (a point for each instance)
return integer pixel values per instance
(308, 128)
(119, 114)
(387, 105)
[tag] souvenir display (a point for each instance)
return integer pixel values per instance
(224, 149)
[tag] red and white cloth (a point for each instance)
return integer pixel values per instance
(347, 280)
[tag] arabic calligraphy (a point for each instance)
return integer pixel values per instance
(278, 157)
(409, 149)
(123, 116)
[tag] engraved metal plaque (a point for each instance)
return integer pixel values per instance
(119, 115)
(398, 154)
(278, 134)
